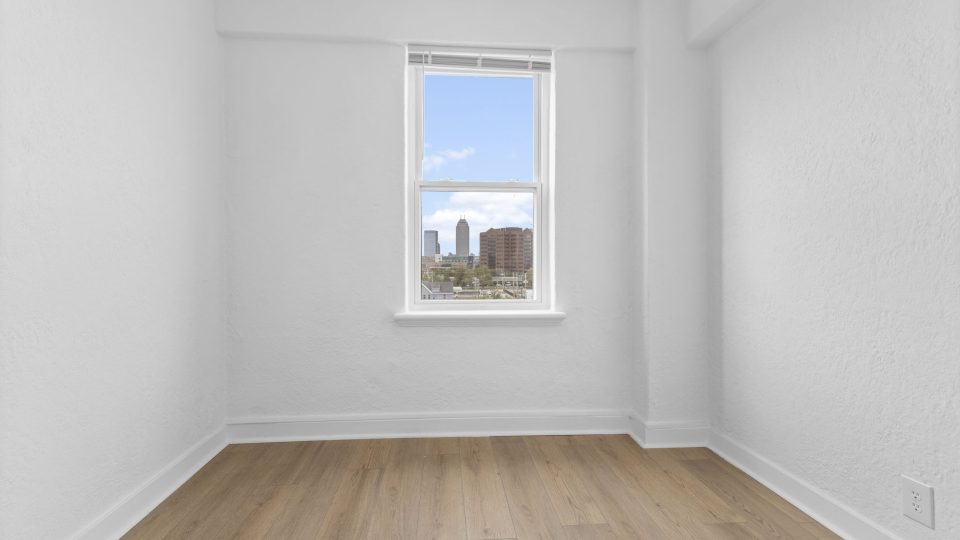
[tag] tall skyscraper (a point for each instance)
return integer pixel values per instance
(431, 243)
(463, 237)
(509, 249)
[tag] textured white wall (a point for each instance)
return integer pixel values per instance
(316, 249)
(709, 19)
(839, 132)
(673, 95)
(548, 23)
(110, 355)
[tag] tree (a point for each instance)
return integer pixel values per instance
(460, 277)
(484, 275)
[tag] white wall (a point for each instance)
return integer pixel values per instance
(671, 157)
(839, 126)
(709, 19)
(545, 23)
(110, 345)
(316, 166)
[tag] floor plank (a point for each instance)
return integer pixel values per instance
(304, 515)
(347, 518)
(397, 505)
(206, 514)
(795, 513)
(630, 513)
(819, 530)
(638, 470)
(670, 463)
(589, 532)
(736, 531)
(753, 504)
(442, 445)
(485, 501)
(372, 454)
(571, 499)
(441, 499)
(263, 513)
(168, 514)
(530, 507)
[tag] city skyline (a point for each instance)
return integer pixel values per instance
(441, 211)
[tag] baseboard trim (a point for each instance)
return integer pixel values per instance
(636, 430)
(669, 434)
(126, 513)
(831, 513)
(457, 424)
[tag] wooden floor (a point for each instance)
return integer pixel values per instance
(561, 487)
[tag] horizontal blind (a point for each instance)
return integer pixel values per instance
(533, 61)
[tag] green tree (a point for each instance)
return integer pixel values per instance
(460, 277)
(484, 275)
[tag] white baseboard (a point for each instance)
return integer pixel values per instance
(466, 424)
(831, 513)
(119, 519)
(667, 434)
(636, 429)
(458, 424)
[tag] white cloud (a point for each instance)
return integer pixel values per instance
(440, 158)
(457, 154)
(433, 161)
(482, 211)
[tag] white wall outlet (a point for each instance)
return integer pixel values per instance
(917, 500)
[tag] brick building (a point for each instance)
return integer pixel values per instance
(509, 249)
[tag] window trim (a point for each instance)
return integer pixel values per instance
(539, 310)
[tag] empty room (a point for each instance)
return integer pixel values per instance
(480, 269)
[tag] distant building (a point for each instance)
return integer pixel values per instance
(436, 290)
(509, 249)
(463, 237)
(431, 243)
(429, 263)
(460, 260)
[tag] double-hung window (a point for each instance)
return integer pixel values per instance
(478, 182)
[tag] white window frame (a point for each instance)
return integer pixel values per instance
(542, 306)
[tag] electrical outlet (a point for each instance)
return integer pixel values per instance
(917, 501)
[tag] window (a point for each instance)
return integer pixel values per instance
(478, 183)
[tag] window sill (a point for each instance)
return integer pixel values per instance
(479, 318)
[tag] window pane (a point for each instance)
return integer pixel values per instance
(476, 246)
(477, 128)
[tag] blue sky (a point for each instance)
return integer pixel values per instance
(477, 128)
